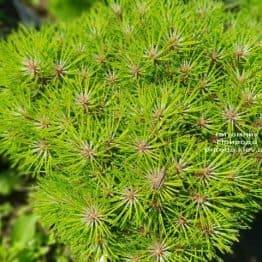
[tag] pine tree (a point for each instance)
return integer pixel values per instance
(141, 123)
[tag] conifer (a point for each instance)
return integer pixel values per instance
(129, 119)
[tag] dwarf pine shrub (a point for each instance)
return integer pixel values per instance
(141, 122)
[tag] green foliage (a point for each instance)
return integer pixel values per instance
(22, 238)
(251, 7)
(63, 9)
(118, 114)
(8, 182)
(68, 9)
(25, 241)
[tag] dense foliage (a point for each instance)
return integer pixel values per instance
(120, 115)
(22, 238)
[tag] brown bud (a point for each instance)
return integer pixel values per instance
(231, 115)
(204, 173)
(142, 147)
(130, 195)
(157, 178)
(59, 70)
(32, 67)
(158, 250)
(135, 71)
(202, 122)
(92, 216)
(111, 78)
(87, 151)
(117, 9)
(199, 199)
